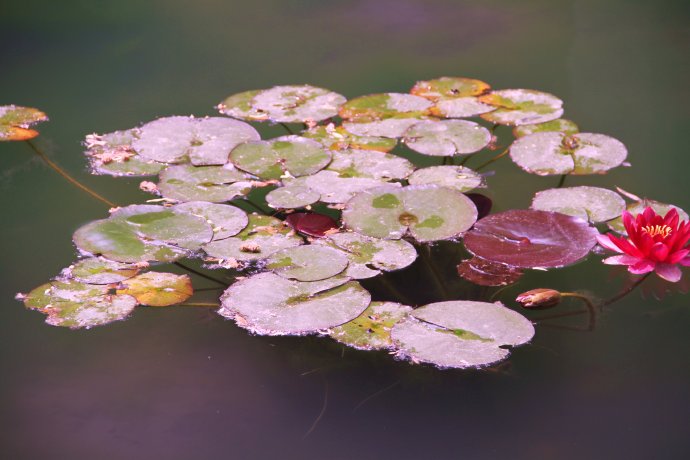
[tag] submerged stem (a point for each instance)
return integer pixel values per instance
(497, 157)
(590, 307)
(624, 292)
(198, 273)
(425, 252)
(287, 128)
(561, 181)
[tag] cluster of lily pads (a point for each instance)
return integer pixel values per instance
(343, 205)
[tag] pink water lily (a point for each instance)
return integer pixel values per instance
(654, 243)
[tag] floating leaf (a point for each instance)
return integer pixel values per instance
(460, 334)
(297, 104)
(639, 206)
(307, 263)
(99, 270)
(269, 304)
(560, 125)
(551, 153)
(485, 273)
(72, 304)
(292, 197)
(371, 330)
(157, 289)
(462, 107)
(375, 165)
(428, 212)
(386, 105)
(312, 224)
(521, 107)
(449, 88)
(589, 203)
(240, 106)
(112, 154)
(273, 159)
(393, 127)
(458, 177)
(338, 138)
(202, 183)
(335, 189)
(225, 220)
(531, 239)
(447, 138)
(16, 121)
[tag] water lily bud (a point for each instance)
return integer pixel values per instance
(539, 298)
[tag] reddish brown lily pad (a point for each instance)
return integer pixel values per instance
(485, 273)
(312, 224)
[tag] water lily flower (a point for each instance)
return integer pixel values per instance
(654, 243)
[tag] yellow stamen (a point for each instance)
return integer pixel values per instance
(654, 230)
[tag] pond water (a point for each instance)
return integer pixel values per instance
(185, 383)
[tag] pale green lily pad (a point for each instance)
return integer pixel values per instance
(521, 107)
(589, 203)
(335, 189)
(225, 220)
(389, 127)
(560, 125)
(112, 154)
(338, 138)
(292, 197)
(447, 138)
(99, 270)
(307, 263)
(263, 236)
(372, 329)
(78, 305)
(269, 304)
(458, 177)
(366, 163)
(552, 153)
(16, 121)
(462, 107)
(449, 88)
(283, 156)
(427, 212)
(298, 104)
(637, 207)
(368, 256)
(215, 184)
(157, 289)
(460, 334)
(240, 106)
(385, 105)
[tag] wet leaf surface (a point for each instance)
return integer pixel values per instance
(214, 184)
(371, 164)
(332, 188)
(16, 122)
(588, 203)
(338, 138)
(99, 270)
(225, 220)
(292, 197)
(521, 107)
(371, 330)
(156, 289)
(297, 104)
(112, 154)
(447, 138)
(485, 273)
(307, 263)
(560, 125)
(457, 177)
(385, 105)
(449, 88)
(312, 224)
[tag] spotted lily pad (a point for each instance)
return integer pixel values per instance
(392, 127)
(637, 207)
(16, 121)
(76, 305)
(225, 220)
(157, 289)
(560, 125)
(460, 333)
(263, 236)
(283, 156)
(589, 203)
(240, 106)
(521, 107)
(458, 177)
(531, 239)
(375, 165)
(449, 88)
(386, 105)
(203, 183)
(269, 304)
(292, 197)
(297, 104)
(307, 263)
(371, 330)
(99, 270)
(461, 107)
(338, 138)
(427, 212)
(332, 188)
(485, 273)
(447, 138)
(113, 154)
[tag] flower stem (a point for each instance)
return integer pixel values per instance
(425, 252)
(624, 292)
(497, 157)
(590, 307)
(287, 128)
(561, 181)
(67, 177)
(394, 291)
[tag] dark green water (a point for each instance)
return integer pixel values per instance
(185, 384)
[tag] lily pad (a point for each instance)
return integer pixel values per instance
(560, 125)
(312, 224)
(449, 88)
(157, 289)
(269, 304)
(460, 334)
(99, 270)
(292, 197)
(447, 138)
(240, 106)
(338, 138)
(521, 107)
(531, 239)
(485, 273)
(371, 330)
(386, 105)
(225, 220)
(335, 189)
(307, 263)
(393, 127)
(375, 165)
(461, 107)
(589, 203)
(78, 305)
(637, 207)
(16, 121)
(427, 212)
(283, 156)
(203, 183)
(112, 154)
(263, 236)
(297, 104)
(458, 177)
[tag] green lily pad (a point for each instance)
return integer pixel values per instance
(427, 212)
(157, 289)
(225, 220)
(78, 305)
(560, 125)
(457, 177)
(553, 153)
(393, 127)
(283, 156)
(16, 121)
(449, 88)
(269, 304)
(447, 138)
(521, 107)
(338, 138)
(366, 163)
(240, 106)
(460, 334)
(298, 104)
(307, 263)
(371, 330)
(368, 256)
(112, 154)
(292, 197)
(99, 270)
(263, 236)
(335, 189)
(386, 105)
(203, 183)
(589, 203)
(462, 107)
(637, 207)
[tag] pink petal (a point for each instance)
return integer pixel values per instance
(659, 252)
(685, 262)
(621, 260)
(605, 241)
(641, 267)
(629, 223)
(649, 214)
(626, 247)
(677, 256)
(669, 272)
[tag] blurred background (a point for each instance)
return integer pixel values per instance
(184, 383)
